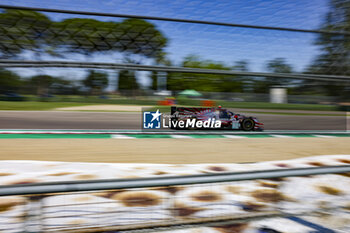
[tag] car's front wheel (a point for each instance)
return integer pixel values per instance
(247, 124)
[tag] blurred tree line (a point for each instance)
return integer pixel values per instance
(21, 31)
(95, 82)
(137, 39)
(29, 30)
(334, 57)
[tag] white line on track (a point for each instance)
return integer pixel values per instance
(280, 136)
(118, 136)
(181, 136)
(233, 136)
(323, 136)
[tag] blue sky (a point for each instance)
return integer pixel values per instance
(212, 42)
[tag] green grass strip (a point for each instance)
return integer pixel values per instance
(39, 106)
(336, 135)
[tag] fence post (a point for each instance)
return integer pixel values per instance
(33, 219)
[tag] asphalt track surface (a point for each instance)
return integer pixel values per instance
(132, 120)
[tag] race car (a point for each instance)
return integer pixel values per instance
(191, 118)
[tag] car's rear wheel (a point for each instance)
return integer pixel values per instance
(247, 124)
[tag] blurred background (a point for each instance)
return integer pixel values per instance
(97, 64)
(240, 54)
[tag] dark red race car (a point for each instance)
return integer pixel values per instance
(191, 118)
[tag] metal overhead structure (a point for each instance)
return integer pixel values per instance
(138, 67)
(156, 68)
(172, 20)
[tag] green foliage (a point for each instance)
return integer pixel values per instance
(203, 82)
(22, 30)
(141, 37)
(160, 59)
(127, 82)
(83, 35)
(29, 30)
(154, 77)
(43, 81)
(34, 105)
(96, 81)
(256, 105)
(278, 65)
(9, 81)
(241, 65)
(80, 101)
(46, 84)
(334, 57)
